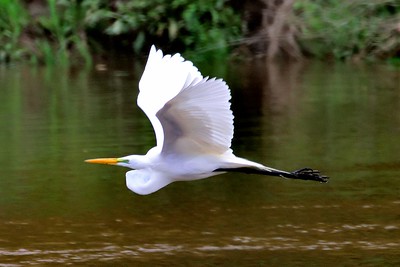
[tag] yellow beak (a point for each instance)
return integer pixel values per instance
(110, 161)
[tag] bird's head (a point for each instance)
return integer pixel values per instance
(133, 161)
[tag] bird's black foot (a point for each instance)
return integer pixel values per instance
(310, 174)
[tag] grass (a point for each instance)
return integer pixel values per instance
(12, 22)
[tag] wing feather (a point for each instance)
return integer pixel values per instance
(163, 78)
(198, 119)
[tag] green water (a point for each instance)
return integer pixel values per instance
(341, 119)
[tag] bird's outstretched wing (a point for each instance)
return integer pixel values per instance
(163, 78)
(198, 119)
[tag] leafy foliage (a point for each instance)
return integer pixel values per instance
(69, 29)
(346, 29)
(201, 23)
(12, 22)
(73, 26)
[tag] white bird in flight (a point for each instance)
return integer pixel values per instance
(193, 123)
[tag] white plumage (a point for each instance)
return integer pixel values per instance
(193, 123)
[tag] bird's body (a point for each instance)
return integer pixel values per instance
(193, 123)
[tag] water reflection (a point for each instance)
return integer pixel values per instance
(56, 209)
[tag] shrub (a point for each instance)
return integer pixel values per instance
(345, 29)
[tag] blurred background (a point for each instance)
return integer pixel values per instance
(313, 83)
(58, 30)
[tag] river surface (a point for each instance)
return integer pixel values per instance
(341, 119)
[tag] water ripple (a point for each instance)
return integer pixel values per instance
(108, 252)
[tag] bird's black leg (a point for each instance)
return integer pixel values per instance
(302, 174)
(308, 174)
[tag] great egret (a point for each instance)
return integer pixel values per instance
(193, 124)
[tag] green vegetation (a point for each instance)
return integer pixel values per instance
(76, 28)
(13, 19)
(350, 29)
(194, 24)
(61, 31)
(51, 37)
